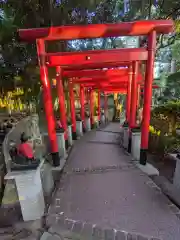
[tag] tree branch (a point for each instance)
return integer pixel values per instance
(162, 4)
(170, 41)
(174, 11)
(149, 11)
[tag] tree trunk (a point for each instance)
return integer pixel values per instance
(173, 66)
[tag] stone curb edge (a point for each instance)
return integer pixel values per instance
(58, 224)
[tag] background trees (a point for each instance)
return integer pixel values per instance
(18, 63)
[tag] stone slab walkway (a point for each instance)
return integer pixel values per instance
(102, 187)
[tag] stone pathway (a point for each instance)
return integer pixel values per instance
(103, 189)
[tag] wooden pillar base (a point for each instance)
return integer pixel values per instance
(143, 156)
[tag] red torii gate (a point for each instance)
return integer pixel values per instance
(149, 28)
(117, 89)
(131, 108)
(82, 64)
(113, 75)
(98, 73)
(95, 80)
(112, 80)
(101, 83)
(104, 86)
(100, 86)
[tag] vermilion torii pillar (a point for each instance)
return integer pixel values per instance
(91, 96)
(147, 96)
(106, 106)
(99, 106)
(133, 111)
(73, 110)
(48, 105)
(138, 95)
(62, 108)
(82, 102)
(128, 98)
(134, 95)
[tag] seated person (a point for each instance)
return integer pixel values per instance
(24, 149)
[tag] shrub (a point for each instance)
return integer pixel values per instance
(166, 117)
(164, 121)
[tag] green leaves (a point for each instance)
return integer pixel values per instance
(175, 77)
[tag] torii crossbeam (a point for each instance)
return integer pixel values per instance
(98, 73)
(87, 58)
(97, 30)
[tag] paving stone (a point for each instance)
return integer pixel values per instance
(57, 202)
(77, 227)
(178, 215)
(68, 223)
(139, 237)
(51, 220)
(98, 232)
(37, 224)
(45, 236)
(154, 238)
(32, 238)
(8, 230)
(120, 235)
(56, 230)
(54, 209)
(54, 238)
(24, 233)
(131, 236)
(60, 220)
(174, 208)
(6, 237)
(109, 234)
(87, 230)
(158, 190)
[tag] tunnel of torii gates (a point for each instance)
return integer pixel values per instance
(109, 87)
(97, 59)
(107, 82)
